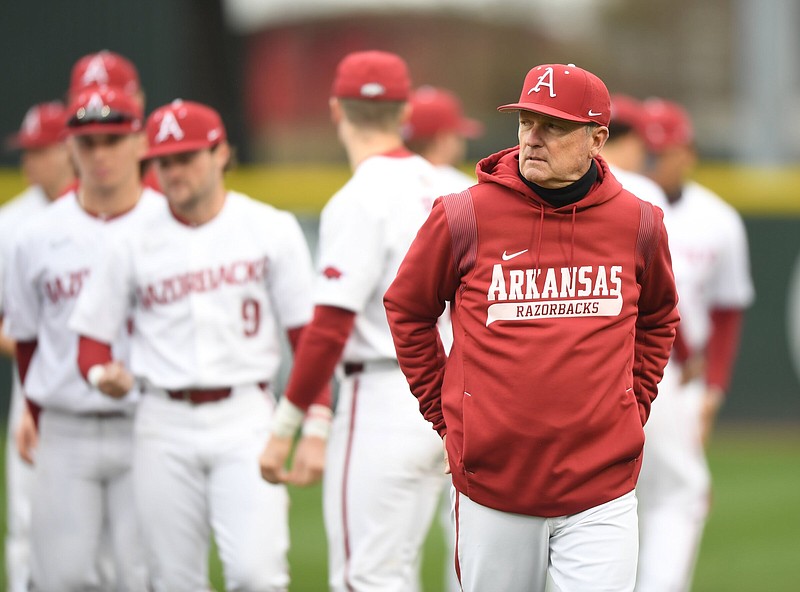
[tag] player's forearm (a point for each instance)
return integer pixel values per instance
(24, 355)
(319, 351)
(722, 346)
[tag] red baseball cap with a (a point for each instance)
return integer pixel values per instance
(626, 110)
(183, 126)
(566, 92)
(373, 76)
(42, 126)
(666, 124)
(435, 110)
(104, 68)
(103, 110)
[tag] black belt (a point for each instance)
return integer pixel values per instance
(351, 368)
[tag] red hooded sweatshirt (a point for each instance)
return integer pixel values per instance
(563, 320)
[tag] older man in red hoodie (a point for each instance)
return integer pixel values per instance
(564, 313)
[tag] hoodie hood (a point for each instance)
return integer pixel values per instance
(502, 168)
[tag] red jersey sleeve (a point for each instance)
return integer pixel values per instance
(723, 345)
(318, 350)
(657, 318)
(427, 278)
(92, 353)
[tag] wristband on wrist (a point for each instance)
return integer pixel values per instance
(287, 419)
(96, 374)
(318, 421)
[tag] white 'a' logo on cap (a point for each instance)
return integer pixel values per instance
(95, 106)
(545, 79)
(169, 127)
(96, 72)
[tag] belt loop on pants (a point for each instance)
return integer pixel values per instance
(351, 368)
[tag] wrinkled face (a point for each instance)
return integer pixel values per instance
(107, 161)
(554, 152)
(190, 178)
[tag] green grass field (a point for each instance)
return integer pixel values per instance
(751, 543)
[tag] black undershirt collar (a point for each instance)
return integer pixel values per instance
(565, 195)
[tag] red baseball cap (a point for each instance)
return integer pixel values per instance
(566, 92)
(666, 124)
(104, 68)
(626, 110)
(103, 110)
(435, 110)
(42, 126)
(372, 75)
(183, 126)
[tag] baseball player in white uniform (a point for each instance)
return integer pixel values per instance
(438, 131)
(210, 279)
(383, 475)
(625, 150)
(48, 169)
(711, 264)
(82, 479)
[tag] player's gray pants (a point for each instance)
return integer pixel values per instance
(82, 486)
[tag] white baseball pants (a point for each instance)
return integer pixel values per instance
(382, 484)
(196, 472)
(592, 551)
(19, 484)
(674, 488)
(82, 486)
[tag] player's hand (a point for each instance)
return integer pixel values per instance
(309, 461)
(446, 457)
(693, 368)
(26, 436)
(273, 459)
(712, 401)
(116, 381)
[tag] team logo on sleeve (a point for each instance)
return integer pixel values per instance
(548, 293)
(331, 273)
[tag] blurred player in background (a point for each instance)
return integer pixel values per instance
(211, 279)
(82, 482)
(108, 68)
(383, 475)
(625, 151)
(438, 131)
(48, 169)
(712, 272)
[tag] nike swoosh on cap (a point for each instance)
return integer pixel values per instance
(593, 114)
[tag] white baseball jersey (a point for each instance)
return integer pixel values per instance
(13, 215)
(208, 300)
(641, 186)
(364, 235)
(48, 267)
(19, 475)
(710, 259)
